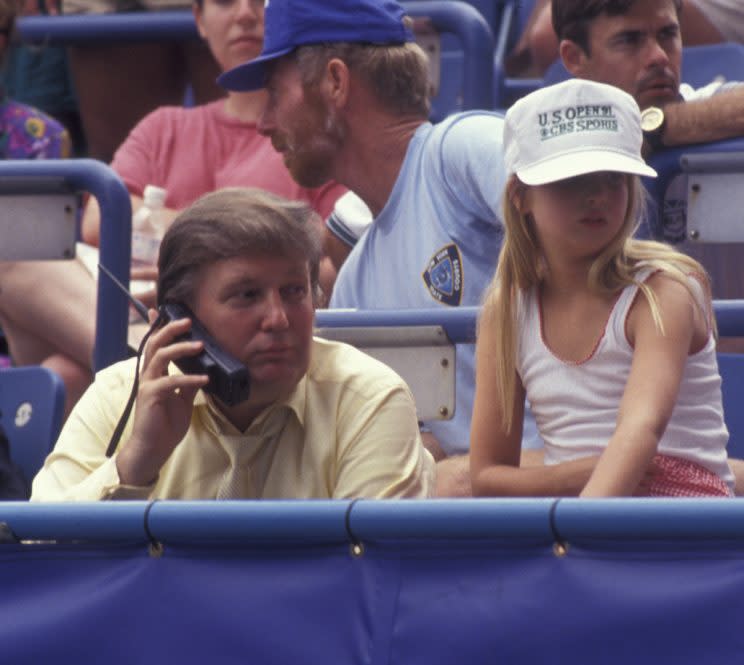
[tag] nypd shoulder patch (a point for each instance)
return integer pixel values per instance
(443, 275)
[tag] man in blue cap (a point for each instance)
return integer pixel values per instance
(348, 99)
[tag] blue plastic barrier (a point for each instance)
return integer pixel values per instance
(460, 326)
(289, 522)
(460, 323)
(103, 29)
(387, 582)
(88, 175)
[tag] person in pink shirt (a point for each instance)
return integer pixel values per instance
(233, 153)
(46, 308)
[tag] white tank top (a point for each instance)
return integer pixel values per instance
(576, 404)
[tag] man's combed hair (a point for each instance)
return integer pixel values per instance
(229, 223)
(571, 18)
(520, 268)
(398, 75)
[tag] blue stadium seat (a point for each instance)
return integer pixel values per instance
(32, 402)
(730, 320)
(555, 73)
(703, 64)
(731, 367)
(700, 65)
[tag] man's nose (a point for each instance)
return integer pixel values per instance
(656, 54)
(249, 9)
(275, 313)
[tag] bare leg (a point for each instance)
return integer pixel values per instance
(47, 312)
(48, 307)
(76, 378)
(737, 466)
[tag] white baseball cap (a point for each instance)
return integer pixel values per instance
(572, 128)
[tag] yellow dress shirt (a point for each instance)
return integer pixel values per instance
(348, 430)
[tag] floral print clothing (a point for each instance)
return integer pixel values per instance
(27, 133)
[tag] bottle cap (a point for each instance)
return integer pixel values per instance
(154, 197)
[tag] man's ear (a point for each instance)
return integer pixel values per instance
(335, 85)
(573, 56)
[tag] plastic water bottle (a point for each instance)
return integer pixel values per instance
(148, 227)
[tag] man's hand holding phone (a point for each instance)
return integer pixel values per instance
(164, 404)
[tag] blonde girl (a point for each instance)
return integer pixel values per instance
(610, 339)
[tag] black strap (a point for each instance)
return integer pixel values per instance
(553, 526)
(116, 436)
(357, 547)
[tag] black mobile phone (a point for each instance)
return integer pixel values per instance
(229, 380)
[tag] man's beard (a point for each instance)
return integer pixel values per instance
(309, 154)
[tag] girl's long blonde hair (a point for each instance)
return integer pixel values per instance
(521, 267)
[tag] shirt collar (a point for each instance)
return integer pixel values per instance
(295, 402)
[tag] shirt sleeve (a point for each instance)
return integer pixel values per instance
(472, 163)
(323, 198)
(136, 160)
(78, 469)
(381, 453)
(350, 219)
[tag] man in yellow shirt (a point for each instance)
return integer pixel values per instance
(322, 419)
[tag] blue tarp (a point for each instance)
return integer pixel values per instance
(435, 582)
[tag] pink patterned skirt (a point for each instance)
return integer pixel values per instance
(682, 478)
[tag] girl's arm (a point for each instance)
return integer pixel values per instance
(653, 385)
(495, 454)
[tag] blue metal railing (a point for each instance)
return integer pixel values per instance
(245, 522)
(450, 16)
(460, 323)
(89, 175)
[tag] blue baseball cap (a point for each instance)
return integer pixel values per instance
(292, 23)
